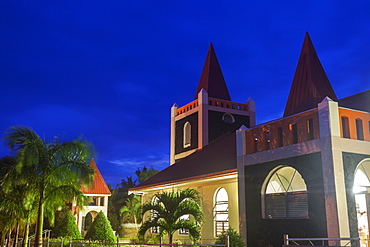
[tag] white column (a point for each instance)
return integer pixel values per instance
(173, 133)
(241, 152)
(202, 119)
(333, 172)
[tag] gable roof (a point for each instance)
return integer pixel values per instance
(310, 84)
(98, 185)
(217, 158)
(360, 101)
(212, 79)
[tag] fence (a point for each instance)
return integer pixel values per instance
(100, 243)
(323, 242)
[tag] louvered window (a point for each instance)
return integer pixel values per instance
(286, 195)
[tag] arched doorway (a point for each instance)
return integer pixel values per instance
(361, 189)
(87, 221)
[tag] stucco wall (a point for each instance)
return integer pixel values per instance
(271, 231)
(208, 188)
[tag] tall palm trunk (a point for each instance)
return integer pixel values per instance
(9, 238)
(15, 242)
(170, 237)
(40, 221)
(26, 231)
(2, 241)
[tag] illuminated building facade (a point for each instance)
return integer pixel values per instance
(305, 174)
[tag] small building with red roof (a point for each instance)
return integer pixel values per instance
(97, 193)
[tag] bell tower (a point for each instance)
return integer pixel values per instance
(211, 114)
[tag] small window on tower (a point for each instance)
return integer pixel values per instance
(187, 134)
(310, 129)
(345, 127)
(294, 133)
(359, 129)
(228, 118)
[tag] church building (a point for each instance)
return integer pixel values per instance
(305, 174)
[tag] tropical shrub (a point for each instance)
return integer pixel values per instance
(170, 209)
(67, 228)
(101, 229)
(235, 239)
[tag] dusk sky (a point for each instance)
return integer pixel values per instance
(111, 70)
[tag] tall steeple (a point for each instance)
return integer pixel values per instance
(310, 84)
(212, 80)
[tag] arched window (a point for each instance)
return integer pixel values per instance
(285, 195)
(221, 211)
(228, 118)
(187, 134)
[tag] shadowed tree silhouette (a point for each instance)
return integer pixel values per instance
(145, 173)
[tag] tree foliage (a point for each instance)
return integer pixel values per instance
(101, 229)
(67, 228)
(145, 173)
(168, 211)
(235, 239)
(52, 171)
(131, 212)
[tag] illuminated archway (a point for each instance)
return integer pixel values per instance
(285, 195)
(361, 188)
(221, 211)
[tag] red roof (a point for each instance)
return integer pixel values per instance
(216, 159)
(98, 186)
(310, 84)
(212, 79)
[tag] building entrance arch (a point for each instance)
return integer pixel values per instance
(361, 189)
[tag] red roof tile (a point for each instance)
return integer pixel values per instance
(310, 84)
(212, 79)
(98, 186)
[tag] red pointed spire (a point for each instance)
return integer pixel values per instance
(310, 84)
(212, 79)
(98, 185)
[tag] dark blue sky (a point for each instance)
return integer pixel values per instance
(111, 70)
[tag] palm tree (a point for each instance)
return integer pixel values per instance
(131, 212)
(15, 202)
(168, 211)
(20, 205)
(127, 184)
(145, 173)
(53, 170)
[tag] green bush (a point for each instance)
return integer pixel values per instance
(67, 228)
(101, 229)
(235, 239)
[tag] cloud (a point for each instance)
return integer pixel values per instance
(157, 162)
